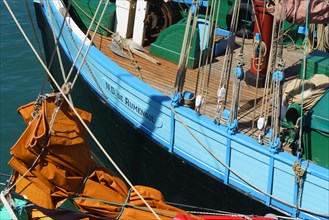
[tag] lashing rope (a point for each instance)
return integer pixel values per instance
(204, 42)
(259, 58)
(226, 70)
(83, 43)
(215, 25)
(204, 70)
(184, 56)
(265, 107)
(78, 116)
(234, 172)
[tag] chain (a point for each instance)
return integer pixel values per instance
(37, 106)
(87, 66)
(58, 102)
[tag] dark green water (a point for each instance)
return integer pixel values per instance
(21, 75)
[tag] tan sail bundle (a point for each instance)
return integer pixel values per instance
(54, 165)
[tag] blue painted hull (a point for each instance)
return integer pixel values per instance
(186, 156)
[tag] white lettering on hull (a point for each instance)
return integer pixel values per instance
(133, 106)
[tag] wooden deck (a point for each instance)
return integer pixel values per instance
(162, 77)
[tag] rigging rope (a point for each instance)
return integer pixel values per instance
(132, 59)
(184, 56)
(99, 145)
(259, 58)
(83, 43)
(226, 70)
(300, 149)
(265, 107)
(91, 18)
(89, 70)
(240, 55)
(299, 173)
(319, 36)
(204, 44)
(299, 179)
(234, 172)
(76, 113)
(57, 40)
(217, 212)
(181, 8)
(303, 77)
(277, 80)
(38, 43)
(91, 43)
(123, 205)
(122, 40)
(212, 52)
(34, 30)
(203, 59)
(35, 114)
(56, 43)
(237, 81)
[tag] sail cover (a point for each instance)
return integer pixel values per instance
(53, 165)
(295, 11)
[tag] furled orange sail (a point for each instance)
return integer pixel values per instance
(54, 164)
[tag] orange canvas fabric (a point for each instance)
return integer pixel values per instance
(56, 163)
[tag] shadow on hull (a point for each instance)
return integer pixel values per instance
(145, 162)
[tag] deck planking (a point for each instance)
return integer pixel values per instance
(162, 77)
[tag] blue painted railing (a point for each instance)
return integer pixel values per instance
(262, 174)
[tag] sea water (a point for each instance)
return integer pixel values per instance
(21, 75)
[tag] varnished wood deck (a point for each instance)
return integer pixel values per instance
(162, 77)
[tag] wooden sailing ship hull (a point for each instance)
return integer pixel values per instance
(168, 148)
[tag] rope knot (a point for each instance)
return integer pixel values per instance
(299, 172)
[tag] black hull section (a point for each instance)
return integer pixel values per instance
(144, 161)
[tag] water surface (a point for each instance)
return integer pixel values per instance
(21, 75)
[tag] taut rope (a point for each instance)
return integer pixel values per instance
(78, 116)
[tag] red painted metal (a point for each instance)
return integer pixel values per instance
(227, 217)
(265, 21)
(220, 217)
